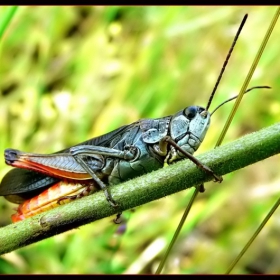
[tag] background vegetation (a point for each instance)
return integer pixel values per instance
(71, 73)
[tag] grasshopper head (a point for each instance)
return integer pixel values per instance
(188, 129)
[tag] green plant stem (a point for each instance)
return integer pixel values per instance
(247, 150)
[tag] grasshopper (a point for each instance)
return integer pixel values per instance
(40, 182)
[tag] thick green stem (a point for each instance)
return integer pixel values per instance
(182, 175)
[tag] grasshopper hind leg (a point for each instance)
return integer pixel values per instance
(84, 192)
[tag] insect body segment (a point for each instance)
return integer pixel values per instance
(122, 154)
(48, 199)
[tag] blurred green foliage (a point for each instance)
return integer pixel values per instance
(71, 73)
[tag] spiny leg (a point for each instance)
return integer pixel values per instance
(83, 193)
(97, 180)
(169, 140)
(129, 153)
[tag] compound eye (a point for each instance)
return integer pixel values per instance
(190, 112)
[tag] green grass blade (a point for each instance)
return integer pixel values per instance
(177, 232)
(261, 226)
(248, 78)
(8, 15)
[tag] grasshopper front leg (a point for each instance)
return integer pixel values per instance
(168, 139)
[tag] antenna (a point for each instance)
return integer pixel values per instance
(226, 61)
(234, 97)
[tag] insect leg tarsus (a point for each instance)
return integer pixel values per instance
(200, 188)
(118, 218)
